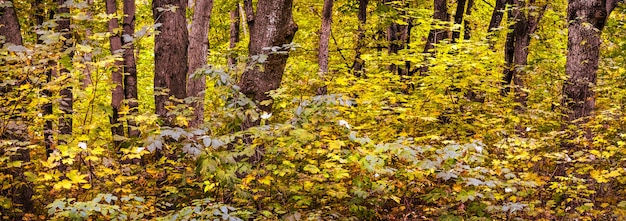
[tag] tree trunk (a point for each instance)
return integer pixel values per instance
(46, 108)
(358, 62)
(322, 56)
(436, 35)
(397, 36)
(234, 36)
(586, 20)
(130, 66)
(327, 19)
(117, 95)
(526, 18)
(9, 25)
(21, 191)
(170, 55)
(467, 29)
(458, 18)
(67, 99)
(497, 15)
(198, 50)
(247, 6)
(273, 25)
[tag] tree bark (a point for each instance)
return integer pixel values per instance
(358, 62)
(21, 191)
(247, 6)
(273, 25)
(458, 18)
(46, 108)
(327, 19)
(497, 15)
(198, 51)
(398, 38)
(130, 66)
(586, 20)
(117, 95)
(526, 18)
(467, 29)
(67, 99)
(170, 55)
(234, 36)
(436, 35)
(9, 25)
(322, 56)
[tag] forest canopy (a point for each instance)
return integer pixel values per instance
(312, 110)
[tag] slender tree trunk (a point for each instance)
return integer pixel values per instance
(458, 19)
(117, 95)
(467, 28)
(509, 52)
(67, 99)
(586, 20)
(358, 62)
(198, 50)
(46, 108)
(273, 25)
(397, 36)
(234, 36)
(21, 191)
(170, 55)
(130, 66)
(497, 15)
(327, 19)
(517, 43)
(436, 35)
(322, 56)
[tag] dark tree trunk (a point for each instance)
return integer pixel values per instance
(117, 95)
(21, 191)
(525, 16)
(517, 42)
(170, 55)
(586, 20)
(398, 38)
(234, 36)
(46, 108)
(130, 66)
(198, 51)
(273, 25)
(436, 35)
(467, 26)
(247, 6)
(497, 15)
(358, 62)
(458, 18)
(509, 52)
(67, 99)
(10, 26)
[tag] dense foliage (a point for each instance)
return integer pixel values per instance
(446, 144)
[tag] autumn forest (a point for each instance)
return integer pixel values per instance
(312, 110)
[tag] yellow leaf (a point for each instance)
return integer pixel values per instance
(65, 184)
(308, 185)
(598, 176)
(208, 186)
(76, 177)
(457, 187)
(335, 144)
(267, 180)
